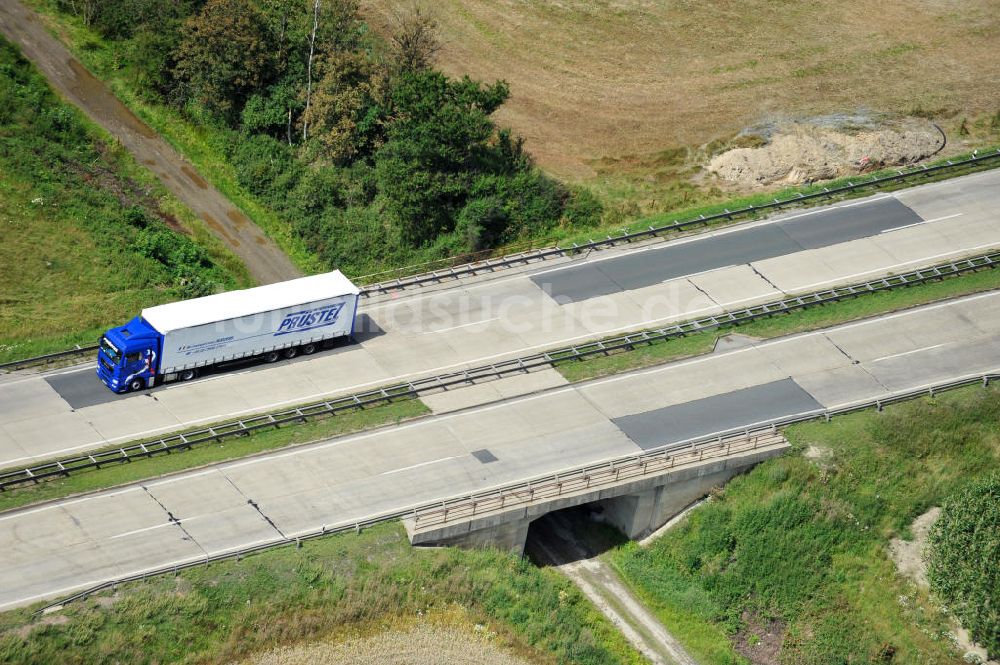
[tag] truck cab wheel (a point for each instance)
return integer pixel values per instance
(136, 385)
(271, 357)
(188, 374)
(308, 349)
(291, 352)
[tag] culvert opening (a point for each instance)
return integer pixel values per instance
(571, 534)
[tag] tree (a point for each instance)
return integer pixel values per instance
(413, 41)
(344, 97)
(964, 560)
(438, 137)
(226, 53)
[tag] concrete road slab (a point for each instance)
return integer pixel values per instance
(603, 315)
(794, 272)
(981, 312)
(735, 287)
(202, 401)
(976, 231)
(916, 246)
(54, 434)
(350, 369)
(464, 397)
(11, 452)
(852, 262)
(681, 422)
(670, 302)
(27, 398)
(935, 364)
(803, 355)
(841, 386)
(490, 340)
(950, 196)
(681, 382)
(257, 390)
(120, 420)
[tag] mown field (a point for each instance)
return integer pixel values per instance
(630, 96)
(89, 238)
(789, 563)
(331, 588)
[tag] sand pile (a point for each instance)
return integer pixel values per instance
(796, 152)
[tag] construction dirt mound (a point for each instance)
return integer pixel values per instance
(803, 151)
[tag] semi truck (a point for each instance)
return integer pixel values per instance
(177, 341)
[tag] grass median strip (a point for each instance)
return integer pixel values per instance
(260, 441)
(813, 318)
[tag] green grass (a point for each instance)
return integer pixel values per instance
(230, 610)
(803, 539)
(813, 318)
(69, 260)
(230, 448)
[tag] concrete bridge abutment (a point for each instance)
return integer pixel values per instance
(636, 506)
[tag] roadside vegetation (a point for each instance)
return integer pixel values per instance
(788, 563)
(393, 164)
(962, 560)
(89, 236)
(349, 148)
(335, 586)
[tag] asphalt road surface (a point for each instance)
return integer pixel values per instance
(635, 271)
(479, 321)
(74, 543)
(262, 257)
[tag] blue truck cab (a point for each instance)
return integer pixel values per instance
(127, 356)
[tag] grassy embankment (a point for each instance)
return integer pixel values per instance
(336, 585)
(90, 237)
(798, 546)
(208, 147)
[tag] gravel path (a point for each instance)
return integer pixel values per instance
(558, 546)
(265, 261)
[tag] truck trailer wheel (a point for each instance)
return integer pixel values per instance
(188, 374)
(271, 357)
(136, 385)
(308, 349)
(291, 352)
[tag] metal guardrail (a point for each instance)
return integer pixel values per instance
(380, 396)
(452, 270)
(527, 256)
(692, 446)
(47, 359)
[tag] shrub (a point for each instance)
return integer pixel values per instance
(964, 560)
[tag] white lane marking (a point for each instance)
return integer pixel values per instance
(922, 222)
(417, 466)
(155, 526)
(906, 353)
(677, 317)
(464, 325)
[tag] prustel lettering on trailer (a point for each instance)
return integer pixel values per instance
(310, 319)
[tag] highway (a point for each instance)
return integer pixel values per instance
(479, 320)
(55, 548)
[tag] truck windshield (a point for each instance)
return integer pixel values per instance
(110, 351)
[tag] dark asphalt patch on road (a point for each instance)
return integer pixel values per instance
(638, 270)
(718, 413)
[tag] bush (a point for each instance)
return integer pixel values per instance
(964, 560)
(266, 167)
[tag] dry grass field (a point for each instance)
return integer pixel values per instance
(622, 93)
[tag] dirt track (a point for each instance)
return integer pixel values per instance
(265, 261)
